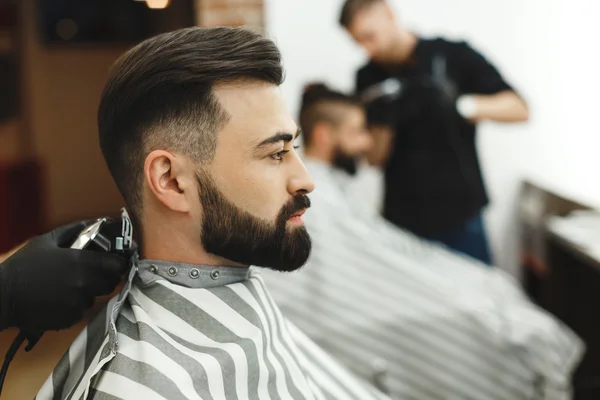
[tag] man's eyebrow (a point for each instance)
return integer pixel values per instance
(278, 137)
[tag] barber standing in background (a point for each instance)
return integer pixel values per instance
(424, 130)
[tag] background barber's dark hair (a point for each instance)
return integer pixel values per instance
(321, 104)
(159, 96)
(353, 7)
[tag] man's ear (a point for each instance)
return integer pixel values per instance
(166, 178)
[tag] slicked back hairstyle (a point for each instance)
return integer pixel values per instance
(353, 7)
(159, 95)
(321, 104)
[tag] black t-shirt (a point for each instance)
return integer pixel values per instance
(433, 180)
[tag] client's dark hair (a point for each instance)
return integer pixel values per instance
(321, 104)
(351, 8)
(159, 96)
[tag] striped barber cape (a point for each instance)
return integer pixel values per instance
(415, 319)
(181, 331)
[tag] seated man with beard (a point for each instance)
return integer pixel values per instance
(416, 319)
(197, 138)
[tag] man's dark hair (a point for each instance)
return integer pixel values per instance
(159, 96)
(321, 104)
(353, 7)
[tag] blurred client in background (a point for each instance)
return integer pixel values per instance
(417, 320)
(342, 143)
(425, 98)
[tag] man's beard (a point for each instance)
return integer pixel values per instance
(236, 235)
(345, 162)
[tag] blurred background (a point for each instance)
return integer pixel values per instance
(544, 48)
(55, 56)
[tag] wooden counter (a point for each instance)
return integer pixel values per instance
(563, 278)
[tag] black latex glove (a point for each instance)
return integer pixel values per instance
(47, 286)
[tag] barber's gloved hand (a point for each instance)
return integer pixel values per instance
(47, 286)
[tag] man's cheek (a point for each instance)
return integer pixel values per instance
(264, 209)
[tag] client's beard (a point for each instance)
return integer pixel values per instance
(236, 235)
(345, 162)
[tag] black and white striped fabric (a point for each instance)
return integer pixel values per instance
(415, 319)
(191, 332)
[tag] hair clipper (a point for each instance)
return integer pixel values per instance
(108, 235)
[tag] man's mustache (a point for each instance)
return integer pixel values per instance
(296, 203)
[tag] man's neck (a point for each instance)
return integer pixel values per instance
(168, 244)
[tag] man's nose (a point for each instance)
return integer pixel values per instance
(300, 181)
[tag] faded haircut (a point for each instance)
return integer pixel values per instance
(322, 104)
(159, 95)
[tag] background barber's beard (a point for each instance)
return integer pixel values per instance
(345, 162)
(234, 234)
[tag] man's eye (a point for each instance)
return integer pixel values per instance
(279, 155)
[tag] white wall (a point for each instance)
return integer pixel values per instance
(540, 46)
(572, 163)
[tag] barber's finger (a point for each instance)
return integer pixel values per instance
(104, 274)
(131, 250)
(102, 263)
(104, 285)
(87, 302)
(64, 315)
(71, 318)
